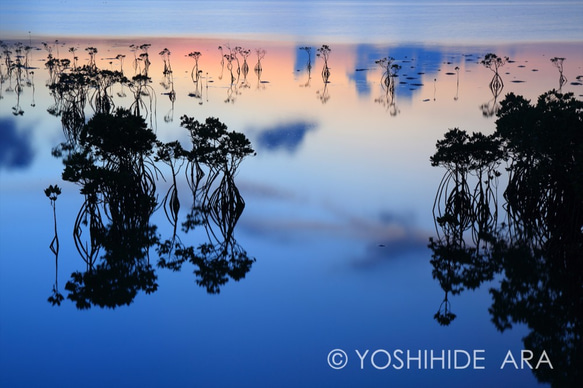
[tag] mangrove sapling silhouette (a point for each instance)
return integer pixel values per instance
(32, 102)
(388, 76)
(220, 48)
(168, 84)
(144, 58)
(234, 52)
(120, 58)
(102, 81)
(91, 51)
(558, 62)
(259, 68)
(195, 76)
(52, 193)
(444, 315)
(165, 54)
(308, 51)
(194, 73)
(324, 53)
(457, 83)
(494, 63)
(73, 50)
(172, 154)
(230, 57)
(134, 50)
(245, 54)
(75, 89)
(245, 67)
(260, 55)
(537, 250)
(140, 88)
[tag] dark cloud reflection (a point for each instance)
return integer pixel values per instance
(15, 146)
(287, 136)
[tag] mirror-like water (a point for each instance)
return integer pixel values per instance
(319, 229)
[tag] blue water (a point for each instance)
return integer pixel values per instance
(338, 199)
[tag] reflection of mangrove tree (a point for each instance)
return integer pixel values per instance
(53, 192)
(112, 162)
(116, 158)
(536, 251)
(211, 166)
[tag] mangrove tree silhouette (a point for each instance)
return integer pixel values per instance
(534, 247)
(210, 168)
(117, 161)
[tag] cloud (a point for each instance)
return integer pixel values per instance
(15, 147)
(383, 238)
(259, 190)
(286, 136)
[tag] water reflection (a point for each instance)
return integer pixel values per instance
(536, 250)
(115, 157)
(16, 150)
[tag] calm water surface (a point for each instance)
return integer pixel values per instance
(338, 198)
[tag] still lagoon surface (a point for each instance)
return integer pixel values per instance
(333, 286)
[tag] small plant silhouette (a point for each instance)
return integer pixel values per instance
(324, 53)
(558, 62)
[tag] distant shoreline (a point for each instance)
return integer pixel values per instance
(272, 40)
